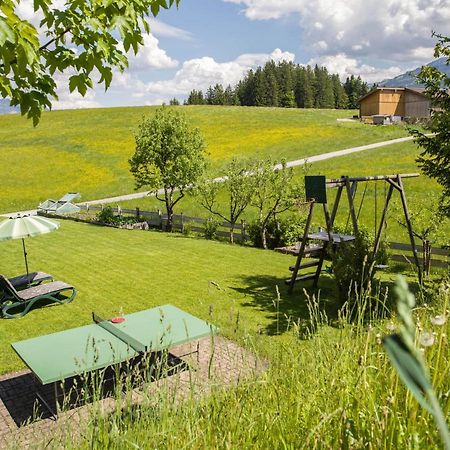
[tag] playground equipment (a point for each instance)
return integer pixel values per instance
(316, 193)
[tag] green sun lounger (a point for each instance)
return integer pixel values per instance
(24, 299)
(25, 281)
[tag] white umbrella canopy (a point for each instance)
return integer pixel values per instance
(23, 227)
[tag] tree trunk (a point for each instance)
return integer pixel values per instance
(169, 209)
(426, 256)
(263, 232)
(232, 233)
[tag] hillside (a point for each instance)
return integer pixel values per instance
(87, 151)
(410, 78)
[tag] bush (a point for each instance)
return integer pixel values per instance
(280, 233)
(211, 227)
(187, 228)
(106, 215)
(354, 265)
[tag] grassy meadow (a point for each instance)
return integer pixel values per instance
(329, 383)
(87, 151)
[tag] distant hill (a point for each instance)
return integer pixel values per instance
(5, 108)
(410, 78)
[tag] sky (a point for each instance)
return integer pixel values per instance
(204, 42)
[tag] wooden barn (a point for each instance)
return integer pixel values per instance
(398, 101)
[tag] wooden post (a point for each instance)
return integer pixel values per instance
(336, 204)
(426, 256)
(409, 226)
(182, 222)
(119, 211)
(329, 225)
(302, 248)
(351, 204)
(138, 213)
(382, 221)
(160, 219)
(243, 232)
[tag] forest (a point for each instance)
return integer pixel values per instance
(287, 85)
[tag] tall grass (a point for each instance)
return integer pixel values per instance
(336, 389)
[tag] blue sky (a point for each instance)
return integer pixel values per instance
(210, 41)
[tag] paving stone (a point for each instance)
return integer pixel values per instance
(24, 422)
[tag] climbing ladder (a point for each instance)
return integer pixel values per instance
(316, 194)
(315, 187)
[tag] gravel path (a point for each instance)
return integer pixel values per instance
(295, 163)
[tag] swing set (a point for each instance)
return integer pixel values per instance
(316, 193)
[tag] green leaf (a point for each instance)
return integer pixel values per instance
(6, 33)
(409, 369)
(73, 82)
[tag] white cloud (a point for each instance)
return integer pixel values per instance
(198, 73)
(150, 55)
(345, 66)
(162, 29)
(393, 30)
(72, 100)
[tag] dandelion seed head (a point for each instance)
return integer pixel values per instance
(426, 339)
(438, 320)
(391, 326)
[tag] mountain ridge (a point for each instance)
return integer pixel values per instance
(409, 78)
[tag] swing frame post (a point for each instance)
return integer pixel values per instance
(316, 187)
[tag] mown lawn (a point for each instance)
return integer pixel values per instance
(87, 151)
(119, 270)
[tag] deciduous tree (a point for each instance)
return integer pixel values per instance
(239, 187)
(274, 192)
(82, 38)
(169, 155)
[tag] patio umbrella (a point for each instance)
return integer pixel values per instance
(26, 226)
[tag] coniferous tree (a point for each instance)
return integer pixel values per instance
(261, 88)
(340, 97)
(195, 98)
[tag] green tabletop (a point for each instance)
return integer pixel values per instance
(57, 356)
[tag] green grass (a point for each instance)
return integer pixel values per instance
(334, 388)
(134, 270)
(87, 151)
(392, 159)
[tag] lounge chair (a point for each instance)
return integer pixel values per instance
(26, 281)
(32, 279)
(27, 297)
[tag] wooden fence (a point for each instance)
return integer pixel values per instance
(400, 252)
(434, 257)
(181, 222)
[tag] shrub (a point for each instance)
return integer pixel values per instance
(280, 233)
(211, 227)
(187, 228)
(106, 215)
(354, 265)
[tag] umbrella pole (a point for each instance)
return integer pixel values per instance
(26, 261)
